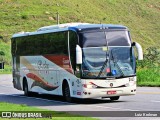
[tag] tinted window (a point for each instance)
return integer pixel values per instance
(98, 39)
(118, 38)
(51, 43)
(94, 39)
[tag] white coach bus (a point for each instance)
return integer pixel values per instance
(76, 60)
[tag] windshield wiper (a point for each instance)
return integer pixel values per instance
(115, 62)
(107, 57)
(105, 63)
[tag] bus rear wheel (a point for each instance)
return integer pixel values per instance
(114, 98)
(66, 93)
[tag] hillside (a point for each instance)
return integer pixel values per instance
(140, 16)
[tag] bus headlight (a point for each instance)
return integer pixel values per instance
(131, 79)
(127, 85)
(132, 82)
(90, 85)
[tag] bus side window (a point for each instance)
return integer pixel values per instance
(53, 43)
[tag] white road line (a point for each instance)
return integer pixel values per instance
(36, 98)
(40, 99)
(114, 108)
(6, 86)
(154, 101)
(126, 109)
(3, 93)
(8, 94)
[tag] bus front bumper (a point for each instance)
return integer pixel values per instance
(107, 93)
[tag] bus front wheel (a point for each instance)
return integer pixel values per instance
(25, 88)
(66, 93)
(114, 98)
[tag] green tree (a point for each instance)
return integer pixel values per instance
(151, 58)
(2, 54)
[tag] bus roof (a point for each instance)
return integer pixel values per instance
(69, 26)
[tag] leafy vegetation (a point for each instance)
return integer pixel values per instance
(5, 54)
(151, 58)
(7, 69)
(149, 69)
(140, 16)
(149, 77)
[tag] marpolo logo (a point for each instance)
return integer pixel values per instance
(111, 84)
(6, 114)
(42, 65)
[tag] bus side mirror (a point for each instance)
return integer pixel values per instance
(139, 50)
(78, 54)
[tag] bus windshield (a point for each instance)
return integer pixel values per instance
(120, 63)
(108, 61)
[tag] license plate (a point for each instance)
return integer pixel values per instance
(111, 92)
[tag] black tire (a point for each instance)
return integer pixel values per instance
(114, 98)
(25, 88)
(66, 93)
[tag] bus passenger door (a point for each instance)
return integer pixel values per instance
(54, 81)
(57, 81)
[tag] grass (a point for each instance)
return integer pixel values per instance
(7, 70)
(148, 77)
(20, 15)
(56, 115)
(140, 16)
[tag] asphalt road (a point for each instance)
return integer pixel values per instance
(146, 99)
